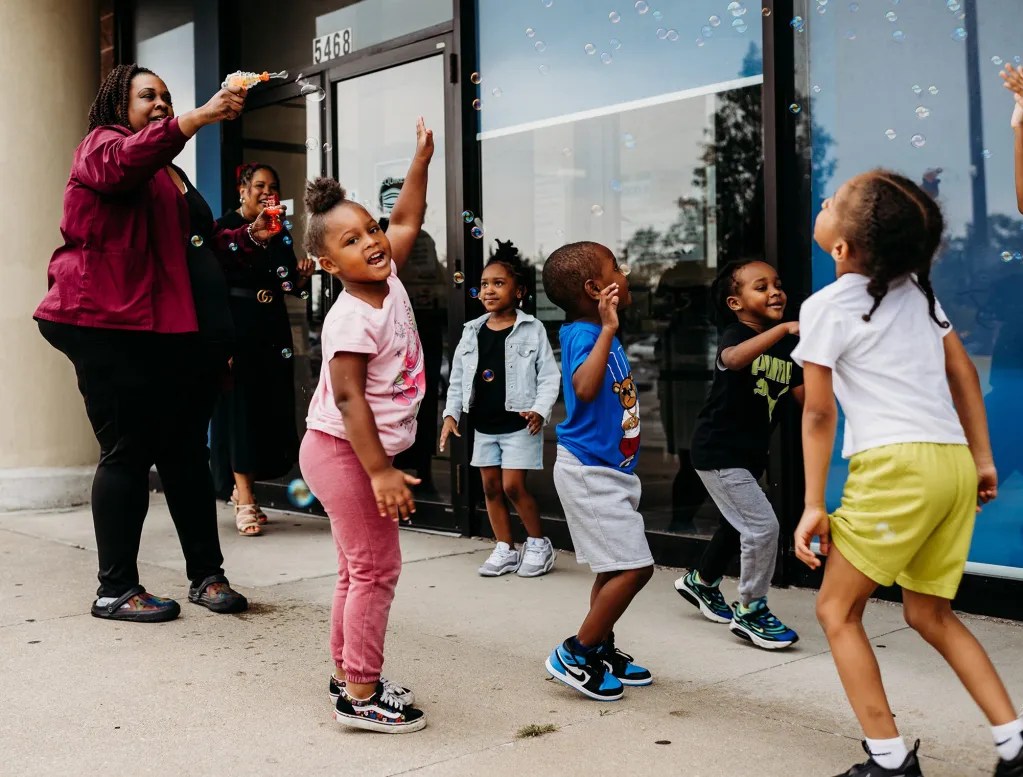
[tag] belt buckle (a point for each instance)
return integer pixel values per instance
(265, 296)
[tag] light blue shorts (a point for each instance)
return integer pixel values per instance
(515, 450)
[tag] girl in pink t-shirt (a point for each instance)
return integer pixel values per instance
(362, 414)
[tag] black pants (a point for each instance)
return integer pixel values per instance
(722, 549)
(149, 398)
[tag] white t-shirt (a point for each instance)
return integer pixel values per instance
(888, 373)
(395, 374)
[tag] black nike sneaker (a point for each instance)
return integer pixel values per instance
(587, 673)
(871, 768)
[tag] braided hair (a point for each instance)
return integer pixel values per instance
(508, 256)
(896, 227)
(725, 285)
(245, 173)
(110, 108)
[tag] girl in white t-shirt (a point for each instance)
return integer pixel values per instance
(920, 457)
(362, 414)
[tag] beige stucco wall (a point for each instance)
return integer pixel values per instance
(50, 76)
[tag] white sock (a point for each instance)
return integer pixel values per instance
(1008, 739)
(889, 753)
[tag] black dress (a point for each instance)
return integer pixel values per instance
(253, 430)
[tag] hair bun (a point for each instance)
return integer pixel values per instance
(323, 194)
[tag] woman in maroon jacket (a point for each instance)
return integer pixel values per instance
(134, 303)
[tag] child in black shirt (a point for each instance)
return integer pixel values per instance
(754, 372)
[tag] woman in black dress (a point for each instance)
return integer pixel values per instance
(253, 434)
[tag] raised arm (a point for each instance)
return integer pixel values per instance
(410, 207)
(969, 402)
(741, 356)
(390, 486)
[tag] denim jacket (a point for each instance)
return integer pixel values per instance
(532, 375)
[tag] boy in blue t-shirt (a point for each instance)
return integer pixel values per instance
(598, 448)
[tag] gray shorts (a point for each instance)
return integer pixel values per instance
(600, 506)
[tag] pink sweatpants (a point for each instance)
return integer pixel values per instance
(368, 554)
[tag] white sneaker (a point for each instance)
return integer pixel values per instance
(503, 560)
(537, 557)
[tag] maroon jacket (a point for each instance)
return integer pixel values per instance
(125, 227)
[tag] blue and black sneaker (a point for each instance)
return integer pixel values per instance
(587, 673)
(758, 625)
(621, 664)
(707, 597)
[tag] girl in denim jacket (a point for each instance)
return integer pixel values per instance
(505, 376)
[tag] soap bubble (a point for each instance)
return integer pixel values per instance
(487, 375)
(996, 60)
(986, 153)
(714, 21)
(958, 34)
(953, 5)
(765, 11)
(706, 32)
(898, 36)
(475, 78)
(566, 152)
(922, 112)
(286, 240)
(614, 17)
(286, 286)
(299, 493)
(606, 58)
(628, 140)
(890, 134)
(546, 3)
(816, 88)
(303, 294)
(313, 93)
(658, 15)
(476, 232)
(544, 70)
(616, 185)
(477, 104)
(891, 16)
(458, 278)
(662, 33)
(615, 44)
(530, 32)
(197, 240)
(641, 6)
(590, 49)
(739, 25)
(700, 42)
(736, 9)
(918, 141)
(797, 23)
(474, 292)
(794, 108)
(673, 35)
(597, 210)
(327, 148)
(496, 91)
(286, 353)
(312, 144)
(850, 35)
(282, 272)
(233, 246)
(932, 89)
(917, 89)
(468, 216)
(540, 46)
(1006, 256)
(287, 224)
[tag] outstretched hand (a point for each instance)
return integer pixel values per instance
(424, 141)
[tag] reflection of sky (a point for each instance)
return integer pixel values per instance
(644, 66)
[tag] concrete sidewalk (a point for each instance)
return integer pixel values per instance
(246, 695)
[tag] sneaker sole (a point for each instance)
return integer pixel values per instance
(705, 611)
(636, 683)
(498, 573)
(380, 728)
(740, 631)
(567, 681)
(547, 567)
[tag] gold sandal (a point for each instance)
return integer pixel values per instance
(246, 521)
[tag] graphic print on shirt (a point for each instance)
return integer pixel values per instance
(410, 383)
(625, 388)
(771, 370)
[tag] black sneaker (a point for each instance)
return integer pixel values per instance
(404, 695)
(621, 665)
(871, 768)
(381, 712)
(587, 673)
(707, 597)
(1013, 768)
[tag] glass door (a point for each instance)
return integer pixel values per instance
(374, 113)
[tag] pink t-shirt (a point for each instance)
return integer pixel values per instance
(395, 377)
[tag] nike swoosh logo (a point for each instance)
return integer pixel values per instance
(581, 676)
(1003, 742)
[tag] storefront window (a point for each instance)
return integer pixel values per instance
(915, 87)
(641, 129)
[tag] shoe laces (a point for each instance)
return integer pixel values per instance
(534, 553)
(392, 687)
(389, 699)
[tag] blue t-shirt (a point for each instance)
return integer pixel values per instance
(604, 432)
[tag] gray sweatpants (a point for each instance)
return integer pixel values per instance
(744, 504)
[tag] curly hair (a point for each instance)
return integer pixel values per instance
(725, 285)
(321, 197)
(896, 227)
(566, 271)
(110, 108)
(508, 256)
(245, 173)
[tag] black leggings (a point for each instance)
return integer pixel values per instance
(149, 398)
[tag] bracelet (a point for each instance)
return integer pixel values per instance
(248, 231)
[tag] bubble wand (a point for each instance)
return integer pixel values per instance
(247, 79)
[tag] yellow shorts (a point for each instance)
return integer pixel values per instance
(907, 515)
